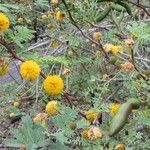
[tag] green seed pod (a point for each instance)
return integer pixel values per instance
(104, 14)
(118, 8)
(121, 117)
(126, 6)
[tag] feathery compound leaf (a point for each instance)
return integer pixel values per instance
(21, 34)
(27, 135)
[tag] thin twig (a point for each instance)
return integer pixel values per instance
(140, 6)
(84, 35)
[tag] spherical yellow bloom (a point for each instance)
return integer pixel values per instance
(91, 115)
(4, 69)
(20, 20)
(59, 15)
(114, 49)
(114, 107)
(53, 85)
(54, 2)
(84, 134)
(4, 22)
(52, 108)
(49, 15)
(16, 104)
(30, 70)
(108, 47)
(97, 36)
(44, 17)
(54, 44)
(120, 147)
(93, 45)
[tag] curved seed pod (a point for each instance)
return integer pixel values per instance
(121, 117)
(104, 14)
(118, 8)
(126, 6)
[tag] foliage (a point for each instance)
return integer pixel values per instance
(101, 51)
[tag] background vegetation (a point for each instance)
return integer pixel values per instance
(101, 50)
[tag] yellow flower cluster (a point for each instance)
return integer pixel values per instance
(59, 15)
(120, 147)
(4, 69)
(91, 115)
(52, 108)
(30, 70)
(84, 133)
(53, 85)
(54, 2)
(4, 22)
(114, 107)
(114, 49)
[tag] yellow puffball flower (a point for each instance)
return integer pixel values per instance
(49, 15)
(44, 17)
(53, 85)
(93, 45)
(108, 47)
(114, 107)
(16, 104)
(84, 134)
(30, 70)
(91, 115)
(4, 22)
(97, 36)
(52, 108)
(20, 20)
(114, 49)
(120, 147)
(4, 69)
(59, 15)
(54, 44)
(54, 2)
